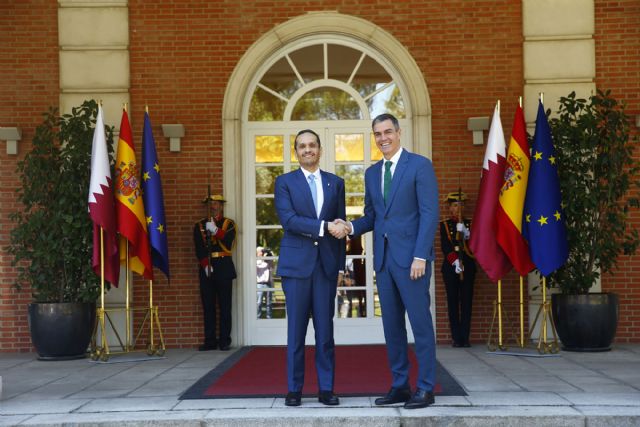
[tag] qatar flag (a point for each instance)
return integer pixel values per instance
(102, 207)
(483, 240)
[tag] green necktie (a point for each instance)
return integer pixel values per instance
(387, 179)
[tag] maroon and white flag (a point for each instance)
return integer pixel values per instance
(102, 206)
(483, 241)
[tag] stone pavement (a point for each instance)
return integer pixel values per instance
(574, 389)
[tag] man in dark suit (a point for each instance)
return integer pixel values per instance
(214, 238)
(307, 200)
(401, 207)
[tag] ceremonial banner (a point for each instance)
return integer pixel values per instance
(511, 199)
(102, 207)
(153, 200)
(544, 222)
(132, 224)
(483, 241)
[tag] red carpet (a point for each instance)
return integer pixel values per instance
(361, 370)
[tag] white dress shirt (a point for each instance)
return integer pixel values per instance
(319, 193)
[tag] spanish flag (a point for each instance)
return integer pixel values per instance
(511, 198)
(132, 224)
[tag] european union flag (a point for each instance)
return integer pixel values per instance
(544, 225)
(153, 200)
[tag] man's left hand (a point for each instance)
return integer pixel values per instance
(418, 268)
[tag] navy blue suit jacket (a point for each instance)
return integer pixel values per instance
(301, 244)
(409, 219)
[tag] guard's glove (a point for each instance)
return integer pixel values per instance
(457, 266)
(461, 228)
(211, 227)
(208, 270)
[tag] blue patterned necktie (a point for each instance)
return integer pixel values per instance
(387, 179)
(314, 191)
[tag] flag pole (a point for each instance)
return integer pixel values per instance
(151, 320)
(96, 351)
(521, 312)
(500, 313)
(126, 309)
(499, 285)
(521, 284)
(103, 338)
(545, 315)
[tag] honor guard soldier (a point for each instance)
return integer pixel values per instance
(458, 268)
(214, 238)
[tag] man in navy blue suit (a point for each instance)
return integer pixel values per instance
(307, 201)
(401, 208)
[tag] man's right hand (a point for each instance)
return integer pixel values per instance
(339, 228)
(211, 227)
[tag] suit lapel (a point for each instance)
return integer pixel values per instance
(397, 177)
(301, 182)
(377, 182)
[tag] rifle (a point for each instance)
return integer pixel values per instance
(459, 235)
(207, 232)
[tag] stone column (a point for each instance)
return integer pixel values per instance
(93, 38)
(559, 57)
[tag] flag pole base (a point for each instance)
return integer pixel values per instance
(499, 313)
(544, 317)
(104, 323)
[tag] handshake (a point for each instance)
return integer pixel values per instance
(339, 228)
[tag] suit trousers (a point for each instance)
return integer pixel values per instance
(459, 301)
(314, 295)
(398, 293)
(213, 289)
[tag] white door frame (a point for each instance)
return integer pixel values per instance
(241, 84)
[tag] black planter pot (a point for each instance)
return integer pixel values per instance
(585, 322)
(61, 331)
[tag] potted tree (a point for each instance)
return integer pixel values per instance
(51, 242)
(597, 173)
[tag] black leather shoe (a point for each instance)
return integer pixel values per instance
(328, 398)
(420, 399)
(456, 344)
(225, 347)
(207, 347)
(395, 395)
(466, 344)
(294, 398)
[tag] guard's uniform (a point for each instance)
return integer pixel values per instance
(215, 250)
(459, 291)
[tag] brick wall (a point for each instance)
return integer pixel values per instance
(470, 53)
(28, 87)
(617, 39)
(182, 58)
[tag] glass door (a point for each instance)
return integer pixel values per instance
(347, 151)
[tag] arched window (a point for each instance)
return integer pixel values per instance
(325, 81)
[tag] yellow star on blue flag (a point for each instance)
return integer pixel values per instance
(547, 239)
(153, 200)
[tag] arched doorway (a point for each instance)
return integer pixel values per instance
(332, 83)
